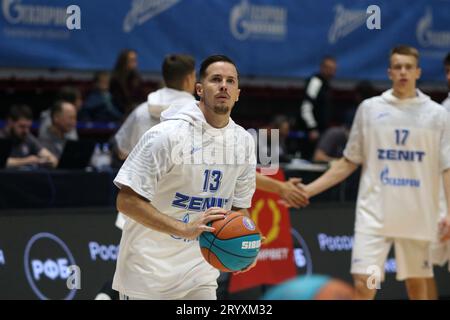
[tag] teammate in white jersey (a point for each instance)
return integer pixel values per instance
(401, 139)
(178, 72)
(183, 173)
(440, 248)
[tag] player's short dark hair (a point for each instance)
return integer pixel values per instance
(405, 50)
(175, 68)
(20, 111)
(447, 60)
(213, 59)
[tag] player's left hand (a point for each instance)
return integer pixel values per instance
(263, 239)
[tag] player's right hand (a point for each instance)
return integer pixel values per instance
(293, 193)
(195, 228)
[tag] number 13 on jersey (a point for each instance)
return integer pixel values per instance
(212, 180)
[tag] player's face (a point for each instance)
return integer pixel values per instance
(404, 73)
(21, 128)
(447, 73)
(219, 90)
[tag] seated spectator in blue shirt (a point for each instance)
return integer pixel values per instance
(98, 105)
(26, 149)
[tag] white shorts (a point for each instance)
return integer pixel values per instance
(200, 293)
(440, 253)
(413, 257)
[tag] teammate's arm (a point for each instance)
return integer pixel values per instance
(289, 190)
(445, 223)
(142, 211)
(338, 172)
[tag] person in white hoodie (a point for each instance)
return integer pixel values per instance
(190, 169)
(401, 139)
(440, 248)
(178, 72)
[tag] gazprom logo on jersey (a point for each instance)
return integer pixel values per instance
(258, 21)
(302, 255)
(103, 252)
(397, 182)
(185, 219)
(46, 261)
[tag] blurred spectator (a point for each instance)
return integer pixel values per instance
(26, 150)
(311, 287)
(64, 120)
(332, 143)
(316, 108)
(281, 123)
(126, 82)
(68, 94)
(98, 105)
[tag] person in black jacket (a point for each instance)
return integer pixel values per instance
(315, 110)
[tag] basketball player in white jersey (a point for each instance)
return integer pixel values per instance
(172, 185)
(440, 248)
(401, 139)
(178, 72)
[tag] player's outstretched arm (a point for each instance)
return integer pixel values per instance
(290, 191)
(444, 226)
(338, 172)
(142, 211)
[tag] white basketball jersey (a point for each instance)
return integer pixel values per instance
(403, 147)
(183, 166)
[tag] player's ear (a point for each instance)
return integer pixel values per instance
(199, 89)
(389, 72)
(239, 92)
(418, 73)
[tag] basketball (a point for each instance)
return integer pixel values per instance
(311, 287)
(233, 245)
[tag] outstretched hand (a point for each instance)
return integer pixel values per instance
(293, 194)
